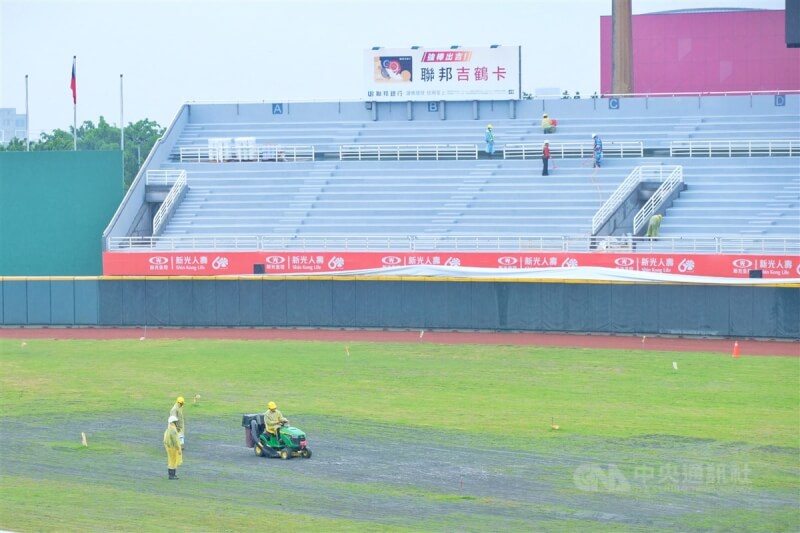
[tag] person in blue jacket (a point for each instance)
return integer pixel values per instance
(598, 150)
(489, 138)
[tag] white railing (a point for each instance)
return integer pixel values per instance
(399, 242)
(615, 200)
(573, 150)
(184, 242)
(413, 152)
(673, 181)
(168, 205)
(228, 153)
(164, 177)
(731, 148)
(637, 175)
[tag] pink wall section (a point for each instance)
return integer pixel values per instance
(706, 52)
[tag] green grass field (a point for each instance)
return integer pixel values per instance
(620, 412)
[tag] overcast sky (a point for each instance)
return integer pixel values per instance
(172, 51)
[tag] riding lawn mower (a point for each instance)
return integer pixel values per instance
(291, 441)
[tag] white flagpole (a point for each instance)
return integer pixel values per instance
(27, 119)
(122, 131)
(75, 105)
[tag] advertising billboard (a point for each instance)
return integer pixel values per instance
(157, 263)
(434, 74)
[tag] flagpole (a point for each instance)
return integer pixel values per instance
(27, 119)
(74, 104)
(122, 131)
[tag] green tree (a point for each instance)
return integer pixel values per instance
(139, 140)
(14, 145)
(58, 140)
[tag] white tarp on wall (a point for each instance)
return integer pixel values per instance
(576, 274)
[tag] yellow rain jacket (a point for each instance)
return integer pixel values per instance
(173, 446)
(273, 419)
(177, 411)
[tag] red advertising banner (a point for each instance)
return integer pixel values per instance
(154, 263)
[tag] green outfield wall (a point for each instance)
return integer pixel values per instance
(54, 207)
(603, 307)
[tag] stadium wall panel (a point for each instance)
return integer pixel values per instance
(134, 308)
(38, 305)
(53, 208)
(87, 302)
(62, 303)
(709, 310)
(15, 302)
(251, 301)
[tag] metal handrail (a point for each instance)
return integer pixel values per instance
(164, 177)
(637, 175)
(673, 181)
(397, 152)
(477, 243)
(616, 199)
(729, 148)
(168, 205)
(565, 150)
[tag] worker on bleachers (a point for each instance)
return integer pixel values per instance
(654, 225)
(598, 150)
(489, 138)
(548, 124)
(545, 158)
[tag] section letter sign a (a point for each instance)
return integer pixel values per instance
(435, 74)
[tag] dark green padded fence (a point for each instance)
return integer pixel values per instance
(54, 207)
(735, 311)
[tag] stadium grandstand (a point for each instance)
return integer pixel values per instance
(331, 177)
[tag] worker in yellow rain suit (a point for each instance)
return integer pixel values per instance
(173, 446)
(654, 225)
(177, 412)
(273, 419)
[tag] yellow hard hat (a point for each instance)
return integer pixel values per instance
(272, 405)
(180, 399)
(489, 126)
(544, 116)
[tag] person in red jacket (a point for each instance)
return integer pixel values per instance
(545, 158)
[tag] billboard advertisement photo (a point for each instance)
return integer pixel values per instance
(428, 74)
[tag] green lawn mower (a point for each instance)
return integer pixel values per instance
(292, 441)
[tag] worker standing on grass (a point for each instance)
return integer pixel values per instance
(177, 412)
(273, 419)
(173, 446)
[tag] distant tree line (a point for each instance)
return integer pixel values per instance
(139, 140)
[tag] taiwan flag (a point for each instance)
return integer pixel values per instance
(73, 84)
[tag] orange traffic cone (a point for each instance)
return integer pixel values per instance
(735, 353)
